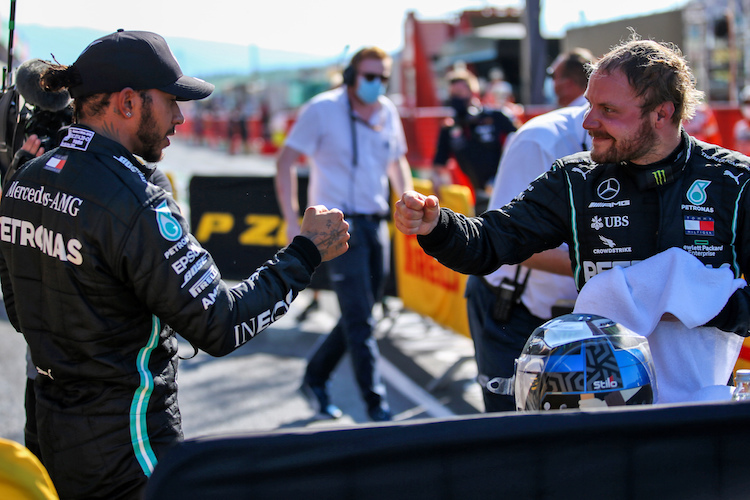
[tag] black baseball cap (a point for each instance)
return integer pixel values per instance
(140, 60)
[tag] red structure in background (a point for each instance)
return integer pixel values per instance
(727, 115)
(421, 125)
(421, 109)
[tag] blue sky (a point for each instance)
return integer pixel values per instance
(299, 25)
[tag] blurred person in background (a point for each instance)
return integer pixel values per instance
(353, 138)
(499, 94)
(474, 137)
(570, 76)
(500, 323)
(742, 126)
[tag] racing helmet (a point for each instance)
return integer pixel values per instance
(584, 361)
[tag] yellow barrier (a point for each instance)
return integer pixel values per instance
(22, 475)
(424, 285)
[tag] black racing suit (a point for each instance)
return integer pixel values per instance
(616, 215)
(96, 262)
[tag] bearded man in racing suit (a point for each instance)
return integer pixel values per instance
(645, 186)
(98, 267)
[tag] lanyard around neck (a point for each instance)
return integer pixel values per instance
(353, 120)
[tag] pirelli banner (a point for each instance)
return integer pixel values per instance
(238, 220)
(417, 272)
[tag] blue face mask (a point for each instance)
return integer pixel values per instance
(370, 91)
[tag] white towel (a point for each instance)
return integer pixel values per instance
(688, 358)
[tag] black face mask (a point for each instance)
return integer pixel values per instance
(460, 106)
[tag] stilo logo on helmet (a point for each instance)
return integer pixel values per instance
(584, 361)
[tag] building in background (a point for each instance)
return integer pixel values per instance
(713, 34)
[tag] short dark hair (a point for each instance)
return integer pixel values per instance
(657, 71)
(575, 64)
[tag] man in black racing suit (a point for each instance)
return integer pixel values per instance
(616, 215)
(475, 136)
(646, 186)
(98, 267)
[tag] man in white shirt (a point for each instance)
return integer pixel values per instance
(500, 324)
(353, 137)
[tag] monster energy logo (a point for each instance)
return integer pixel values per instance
(660, 176)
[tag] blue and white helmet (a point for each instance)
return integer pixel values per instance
(584, 361)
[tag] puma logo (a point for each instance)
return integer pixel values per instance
(583, 174)
(735, 177)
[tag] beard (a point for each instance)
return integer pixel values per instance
(626, 149)
(149, 138)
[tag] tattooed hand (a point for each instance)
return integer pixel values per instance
(327, 229)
